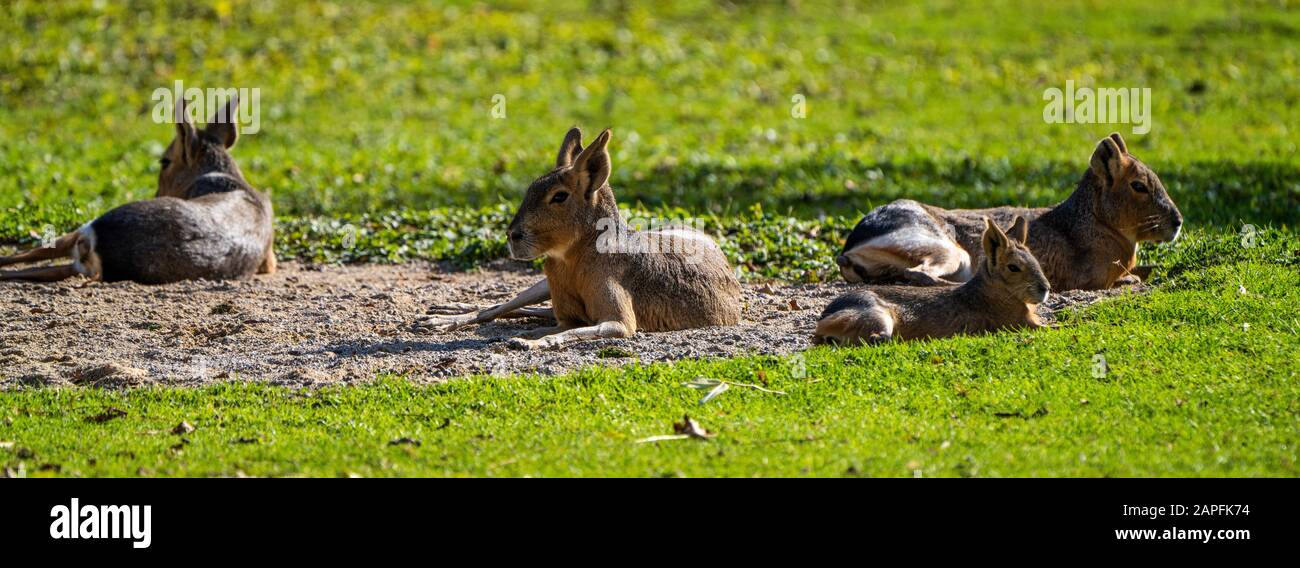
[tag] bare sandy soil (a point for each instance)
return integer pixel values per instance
(310, 325)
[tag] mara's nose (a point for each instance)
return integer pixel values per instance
(515, 235)
(842, 260)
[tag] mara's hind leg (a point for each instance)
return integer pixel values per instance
(61, 248)
(855, 326)
(888, 259)
(932, 273)
(42, 274)
(903, 241)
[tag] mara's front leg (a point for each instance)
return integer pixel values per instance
(1137, 275)
(617, 320)
(603, 330)
(538, 293)
(548, 330)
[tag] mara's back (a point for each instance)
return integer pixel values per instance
(688, 284)
(221, 234)
(968, 224)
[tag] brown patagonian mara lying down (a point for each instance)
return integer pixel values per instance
(682, 281)
(1002, 293)
(1087, 242)
(205, 222)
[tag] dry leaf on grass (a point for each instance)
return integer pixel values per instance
(183, 428)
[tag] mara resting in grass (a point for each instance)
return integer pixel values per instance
(1001, 294)
(206, 221)
(1087, 242)
(597, 289)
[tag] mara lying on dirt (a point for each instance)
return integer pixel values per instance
(206, 221)
(598, 287)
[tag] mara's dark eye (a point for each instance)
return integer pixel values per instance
(559, 197)
(1138, 186)
(165, 162)
(1013, 268)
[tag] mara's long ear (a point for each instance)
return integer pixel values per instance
(995, 242)
(1019, 230)
(224, 123)
(1108, 161)
(570, 148)
(591, 167)
(1119, 141)
(187, 138)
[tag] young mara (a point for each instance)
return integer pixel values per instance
(1001, 294)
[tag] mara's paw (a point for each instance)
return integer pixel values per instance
(452, 309)
(525, 344)
(442, 323)
(1127, 280)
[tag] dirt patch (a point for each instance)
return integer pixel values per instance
(309, 325)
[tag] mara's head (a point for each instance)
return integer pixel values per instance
(1009, 265)
(195, 152)
(1131, 198)
(567, 203)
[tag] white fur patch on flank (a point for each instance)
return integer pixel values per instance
(84, 258)
(687, 234)
(918, 248)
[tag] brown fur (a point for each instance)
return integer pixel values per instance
(156, 241)
(596, 293)
(1087, 242)
(1001, 295)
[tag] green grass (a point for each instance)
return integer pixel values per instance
(375, 106)
(377, 145)
(1202, 381)
(382, 111)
